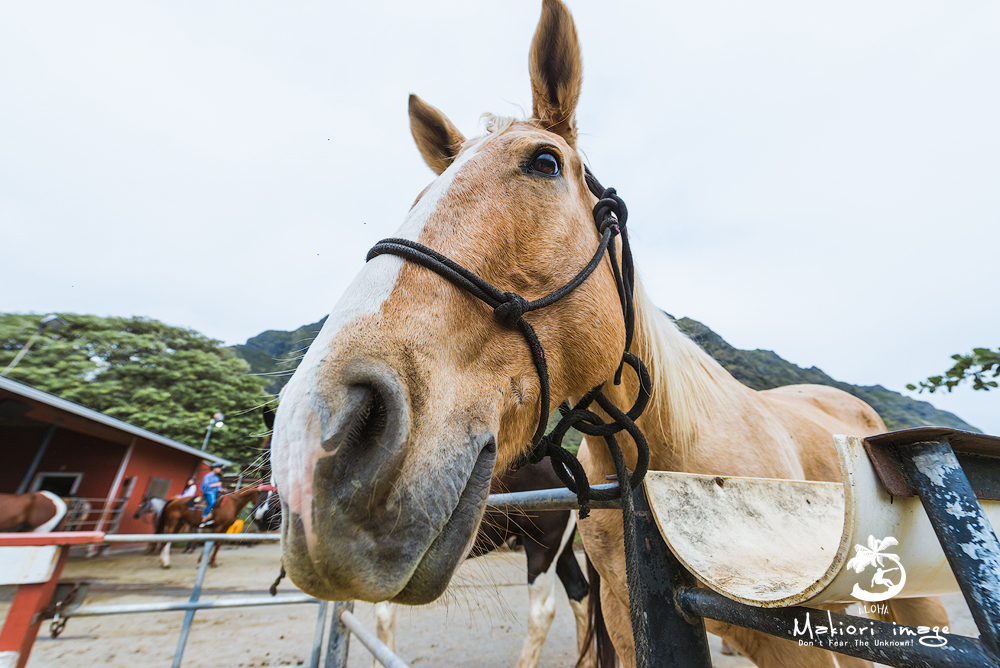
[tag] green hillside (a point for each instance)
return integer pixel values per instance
(276, 353)
(763, 369)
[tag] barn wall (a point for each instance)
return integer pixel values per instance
(152, 460)
(19, 446)
(98, 460)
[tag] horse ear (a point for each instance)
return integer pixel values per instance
(556, 70)
(437, 138)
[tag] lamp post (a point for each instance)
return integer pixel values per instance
(216, 420)
(51, 321)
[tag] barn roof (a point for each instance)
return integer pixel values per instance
(68, 412)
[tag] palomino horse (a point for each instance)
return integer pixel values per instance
(177, 515)
(548, 546)
(34, 511)
(414, 393)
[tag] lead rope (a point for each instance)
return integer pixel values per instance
(610, 217)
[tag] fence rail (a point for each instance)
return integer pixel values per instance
(675, 606)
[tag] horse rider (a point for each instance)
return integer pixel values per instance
(190, 492)
(210, 486)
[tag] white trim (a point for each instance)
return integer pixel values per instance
(36, 484)
(94, 416)
(113, 492)
(57, 518)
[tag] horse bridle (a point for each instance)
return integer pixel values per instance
(610, 217)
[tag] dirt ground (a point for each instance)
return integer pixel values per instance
(479, 623)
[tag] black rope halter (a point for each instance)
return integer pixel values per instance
(610, 216)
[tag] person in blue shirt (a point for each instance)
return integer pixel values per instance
(210, 486)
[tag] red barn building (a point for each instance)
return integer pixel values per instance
(51, 444)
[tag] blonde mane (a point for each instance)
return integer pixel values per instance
(687, 381)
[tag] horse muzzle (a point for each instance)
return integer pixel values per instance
(372, 508)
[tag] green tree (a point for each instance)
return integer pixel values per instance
(976, 367)
(166, 379)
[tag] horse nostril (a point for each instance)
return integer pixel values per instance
(363, 425)
(369, 421)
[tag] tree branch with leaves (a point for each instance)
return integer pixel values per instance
(166, 379)
(979, 367)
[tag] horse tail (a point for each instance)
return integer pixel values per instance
(597, 630)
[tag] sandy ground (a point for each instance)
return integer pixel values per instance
(480, 622)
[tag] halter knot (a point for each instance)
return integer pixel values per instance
(610, 212)
(511, 310)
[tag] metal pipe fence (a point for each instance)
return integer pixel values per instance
(672, 599)
(194, 603)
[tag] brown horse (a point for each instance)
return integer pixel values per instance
(178, 515)
(414, 393)
(35, 511)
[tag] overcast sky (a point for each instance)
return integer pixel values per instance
(823, 182)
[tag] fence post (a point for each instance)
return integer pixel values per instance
(195, 595)
(965, 534)
(318, 635)
(675, 639)
(21, 626)
(340, 637)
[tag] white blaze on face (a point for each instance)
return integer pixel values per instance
(297, 441)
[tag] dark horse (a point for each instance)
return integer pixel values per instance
(267, 514)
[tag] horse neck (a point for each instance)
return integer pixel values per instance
(688, 388)
(242, 497)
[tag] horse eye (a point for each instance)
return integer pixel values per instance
(545, 163)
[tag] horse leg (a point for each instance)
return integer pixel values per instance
(768, 651)
(171, 526)
(215, 554)
(165, 555)
(928, 612)
(541, 611)
(763, 650)
(385, 616)
(576, 586)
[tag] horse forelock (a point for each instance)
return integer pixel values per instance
(493, 124)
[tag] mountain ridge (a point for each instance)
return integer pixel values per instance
(276, 353)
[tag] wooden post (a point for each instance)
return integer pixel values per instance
(35, 567)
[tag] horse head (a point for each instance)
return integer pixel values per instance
(415, 392)
(142, 508)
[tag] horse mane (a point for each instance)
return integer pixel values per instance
(687, 381)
